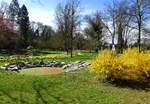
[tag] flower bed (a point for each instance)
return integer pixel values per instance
(52, 70)
(32, 58)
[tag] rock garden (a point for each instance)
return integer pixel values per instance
(66, 66)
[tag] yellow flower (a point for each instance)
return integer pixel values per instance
(130, 65)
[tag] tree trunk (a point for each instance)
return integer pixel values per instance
(139, 37)
(71, 42)
(120, 39)
(139, 23)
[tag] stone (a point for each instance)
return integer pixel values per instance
(3, 68)
(72, 66)
(12, 68)
(37, 64)
(20, 64)
(75, 66)
(29, 65)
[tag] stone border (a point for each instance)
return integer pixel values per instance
(72, 66)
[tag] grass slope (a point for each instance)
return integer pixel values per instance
(40, 71)
(65, 88)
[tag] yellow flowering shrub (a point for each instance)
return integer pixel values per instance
(131, 65)
(51, 56)
(103, 63)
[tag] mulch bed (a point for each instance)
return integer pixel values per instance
(52, 70)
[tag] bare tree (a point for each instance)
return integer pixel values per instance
(68, 18)
(141, 12)
(62, 19)
(118, 22)
(123, 20)
(110, 21)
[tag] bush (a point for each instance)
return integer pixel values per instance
(131, 65)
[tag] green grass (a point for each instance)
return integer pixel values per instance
(79, 87)
(35, 52)
(84, 56)
(33, 86)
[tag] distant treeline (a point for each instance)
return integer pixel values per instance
(124, 23)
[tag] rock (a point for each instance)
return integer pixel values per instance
(37, 64)
(75, 66)
(20, 64)
(72, 66)
(3, 68)
(58, 64)
(64, 67)
(29, 65)
(30, 47)
(12, 68)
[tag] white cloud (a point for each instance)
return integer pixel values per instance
(37, 12)
(87, 10)
(45, 16)
(41, 12)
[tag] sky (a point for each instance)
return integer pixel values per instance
(44, 10)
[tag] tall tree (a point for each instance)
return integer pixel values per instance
(141, 12)
(110, 21)
(24, 25)
(4, 9)
(118, 22)
(62, 18)
(14, 10)
(95, 28)
(68, 19)
(122, 21)
(47, 32)
(74, 19)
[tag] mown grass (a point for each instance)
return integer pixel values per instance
(40, 71)
(45, 55)
(79, 87)
(35, 52)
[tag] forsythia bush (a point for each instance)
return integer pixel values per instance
(131, 65)
(103, 63)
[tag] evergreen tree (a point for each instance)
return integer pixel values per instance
(13, 10)
(95, 30)
(24, 25)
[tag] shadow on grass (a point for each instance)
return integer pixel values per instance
(38, 88)
(14, 99)
(9, 96)
(131, 84)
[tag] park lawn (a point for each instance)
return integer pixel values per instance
(27, 51)
(48, 56)
(41, 71)
(80, 87)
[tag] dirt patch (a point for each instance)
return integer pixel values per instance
(52, 70)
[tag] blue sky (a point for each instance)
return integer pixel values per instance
(44, 10)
